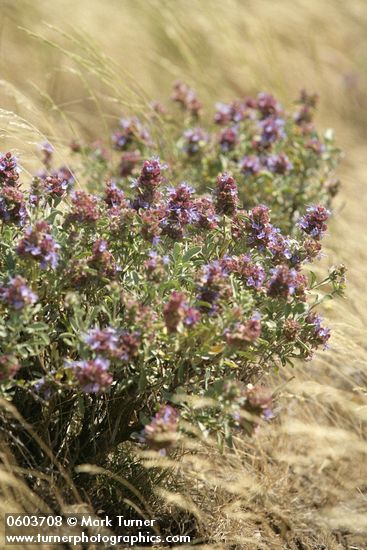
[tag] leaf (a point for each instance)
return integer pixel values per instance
(194, 251)
(231, 364)
(214, 350)
(176, 251)
(313, 279)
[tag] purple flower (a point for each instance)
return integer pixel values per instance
(228, 139)
(252, 274)
(187, 98)
(316, 146)
(47, 150)
(85, 208)
(9, 367)
(207, 217)
(268, 105)
(12, 205)
(285, 282)
(16, 294)
(128, 347)
(279, 164)
(161, 432)
(38, 244)
(59, 182)
(280, 246)
(102, 340)
(313, 222)
(194, 141)
(260, 232)
(234, 112)
(9, 170)
(192, 316)
(113, 343)
(180, 211)
(92, 375)
(213, 286)
(114, 196)
(259, 401)
(177, 311)
(128, 161)
(243, 334)
(223, 113)
(263, 235)
(150, 224)
(102, 259)
(130, 131)
(250, 165)
(148, 182)
(312, 249)
(226, 194)
(272, 130)
(319, 335)
(155, 266)
(43, 387)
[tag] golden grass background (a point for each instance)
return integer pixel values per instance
(302, 482)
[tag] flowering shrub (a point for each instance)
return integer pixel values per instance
(113, 302)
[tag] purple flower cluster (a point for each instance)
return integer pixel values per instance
(155, 266)
(114, 196)
(194, 141)
(267, 105)
(92, 375)
(253, 275)
(263, 235)
(250, 165)
(130, 131)
(102, 260)
(180, 211)
(315, 145)
(304, 117)
(313, 222)
(59, 182)
(38, 244)
(213, 286)
(291, 329)
(102, 340)
(17, 294)
(48, 151)
(249, 404)
(228, 139)
(285, 282)
(177, 311)
(85, 208)
(12, 205)
(161, 432)
(128, 161)
(113, 343)
(9, 367)
(320, 335)
(147, 184)
(312, 249)
(243, 334)
(9, 170)
(207, 217)
(279, 164)
(233, 112)
(187, 98)
(258, 226)
(226, 194)
(272, 129)
(151, 224)
(259, 401)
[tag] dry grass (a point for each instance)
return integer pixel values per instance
(301, 483)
